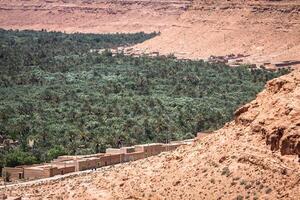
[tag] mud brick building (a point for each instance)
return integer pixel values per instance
(68, 164)
(150, 149)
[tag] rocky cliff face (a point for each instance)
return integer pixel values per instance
(253, 157)
(275, 115)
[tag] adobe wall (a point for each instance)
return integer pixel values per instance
(134, 156)
(60, 164)
(113, 151)
(128, 149)
(120, 151)
(150, 149)
(111, 159)
(77, 157)
(85, 164)
(13, 173)
(62, 159)
(61, 170)
(171, 147)
(36, 173)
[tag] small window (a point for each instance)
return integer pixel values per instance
(20, 175)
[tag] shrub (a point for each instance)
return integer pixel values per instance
(17, 157)
(225, 171)
(239, 197)
(55, 152)
(268, 191)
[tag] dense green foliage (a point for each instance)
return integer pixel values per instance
(55, 92)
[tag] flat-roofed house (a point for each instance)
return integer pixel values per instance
(13, 173)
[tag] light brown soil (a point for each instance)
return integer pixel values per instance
(96, 16)
(266, 30)
(233, 162)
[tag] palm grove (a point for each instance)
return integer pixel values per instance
(68, 99)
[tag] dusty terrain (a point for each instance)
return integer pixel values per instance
(266, 30)
(97, 16)
(253, 157)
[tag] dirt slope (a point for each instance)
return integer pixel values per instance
(267, 30)
(252, 157)
(98, 16)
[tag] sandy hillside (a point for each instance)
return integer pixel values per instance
(97, 16)
(252, 157)
(266, 30)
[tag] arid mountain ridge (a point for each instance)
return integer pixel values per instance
(265, 32)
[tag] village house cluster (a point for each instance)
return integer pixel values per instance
(67, 164)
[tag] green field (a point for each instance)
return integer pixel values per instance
(68, 100)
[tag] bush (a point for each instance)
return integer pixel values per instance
(239, 197)
(225, 171)
(17, 157)
(55, 152)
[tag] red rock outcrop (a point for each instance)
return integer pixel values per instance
(275, 114)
